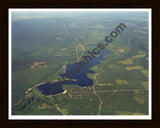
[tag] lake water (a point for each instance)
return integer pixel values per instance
(81, 78)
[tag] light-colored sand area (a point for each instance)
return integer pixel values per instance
(37, 63)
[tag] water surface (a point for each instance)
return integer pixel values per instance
(80, 78)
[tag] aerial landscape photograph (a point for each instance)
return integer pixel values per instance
(82, 62)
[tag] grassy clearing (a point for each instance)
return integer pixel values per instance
(121, 81)
(58, 38)
(43, 106)
(141, 52)
(127, 61)
(145, 72)
(138, 100)
(65, 111)
(113, 66)
(106, 84)
(134, 68)
(116, 50)
(139, 56)
(94, 68)
(145, 84)
(138, 97)
(63, 49)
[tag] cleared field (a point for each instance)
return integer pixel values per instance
(138, 97)
(44, 106)
(65, 111)
(134, 68)
(110, 84)
(121, 81)
(127, 61)
(145, 72)
(63, 49)
(141, 54)
(145, 84)
(58, 38)
(94, 68)
(36, 64)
